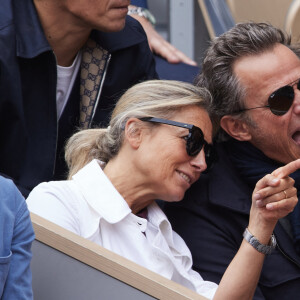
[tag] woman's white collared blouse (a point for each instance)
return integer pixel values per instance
(90, 206)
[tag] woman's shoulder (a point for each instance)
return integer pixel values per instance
(51, 186)
(58, 202)
(54, 194)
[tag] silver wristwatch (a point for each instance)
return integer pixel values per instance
(254, 242)
(142, 12)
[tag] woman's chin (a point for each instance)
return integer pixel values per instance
(175, 197)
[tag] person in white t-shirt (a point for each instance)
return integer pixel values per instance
(156, 146)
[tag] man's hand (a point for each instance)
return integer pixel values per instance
(160, 46)
(274, 197)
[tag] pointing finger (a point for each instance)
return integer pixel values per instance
(287, 169)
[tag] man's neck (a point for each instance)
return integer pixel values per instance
(64, 37)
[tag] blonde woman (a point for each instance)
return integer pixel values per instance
(157, 145)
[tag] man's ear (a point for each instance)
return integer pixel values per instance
(236, 128)
(133, 132)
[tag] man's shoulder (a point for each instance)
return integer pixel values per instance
(7, 186)
(10, 197)
(6, 14)
(222, 186)
(7, 27)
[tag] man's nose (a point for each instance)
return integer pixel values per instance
(296, 103)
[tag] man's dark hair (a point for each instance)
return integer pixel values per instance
(244, 39)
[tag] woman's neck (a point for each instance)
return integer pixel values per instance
(133, 187)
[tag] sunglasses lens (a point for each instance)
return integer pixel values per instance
(195, 141)
(281, 100)
(210, 156)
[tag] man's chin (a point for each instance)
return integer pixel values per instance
(115, 27)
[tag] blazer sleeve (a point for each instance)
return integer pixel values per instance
(18, 284)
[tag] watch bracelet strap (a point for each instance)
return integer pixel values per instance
(256, 244)
(142, 12)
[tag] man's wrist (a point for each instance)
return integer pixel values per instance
(256, 244)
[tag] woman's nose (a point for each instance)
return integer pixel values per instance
(199, 162)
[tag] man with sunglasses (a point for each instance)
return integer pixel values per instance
(253, 74)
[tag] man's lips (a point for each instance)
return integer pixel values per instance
(121, 4)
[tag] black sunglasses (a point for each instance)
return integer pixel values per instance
(279, 101)
(194, 140)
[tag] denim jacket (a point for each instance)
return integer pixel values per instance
(16, 237)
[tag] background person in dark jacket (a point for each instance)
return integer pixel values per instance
(63, 64)
(254, 80)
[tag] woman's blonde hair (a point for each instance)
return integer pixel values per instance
(154, 98)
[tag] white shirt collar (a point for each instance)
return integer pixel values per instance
(108, 204)
(100, 193)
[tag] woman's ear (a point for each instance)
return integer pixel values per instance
(133, 132)
(236, 128)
